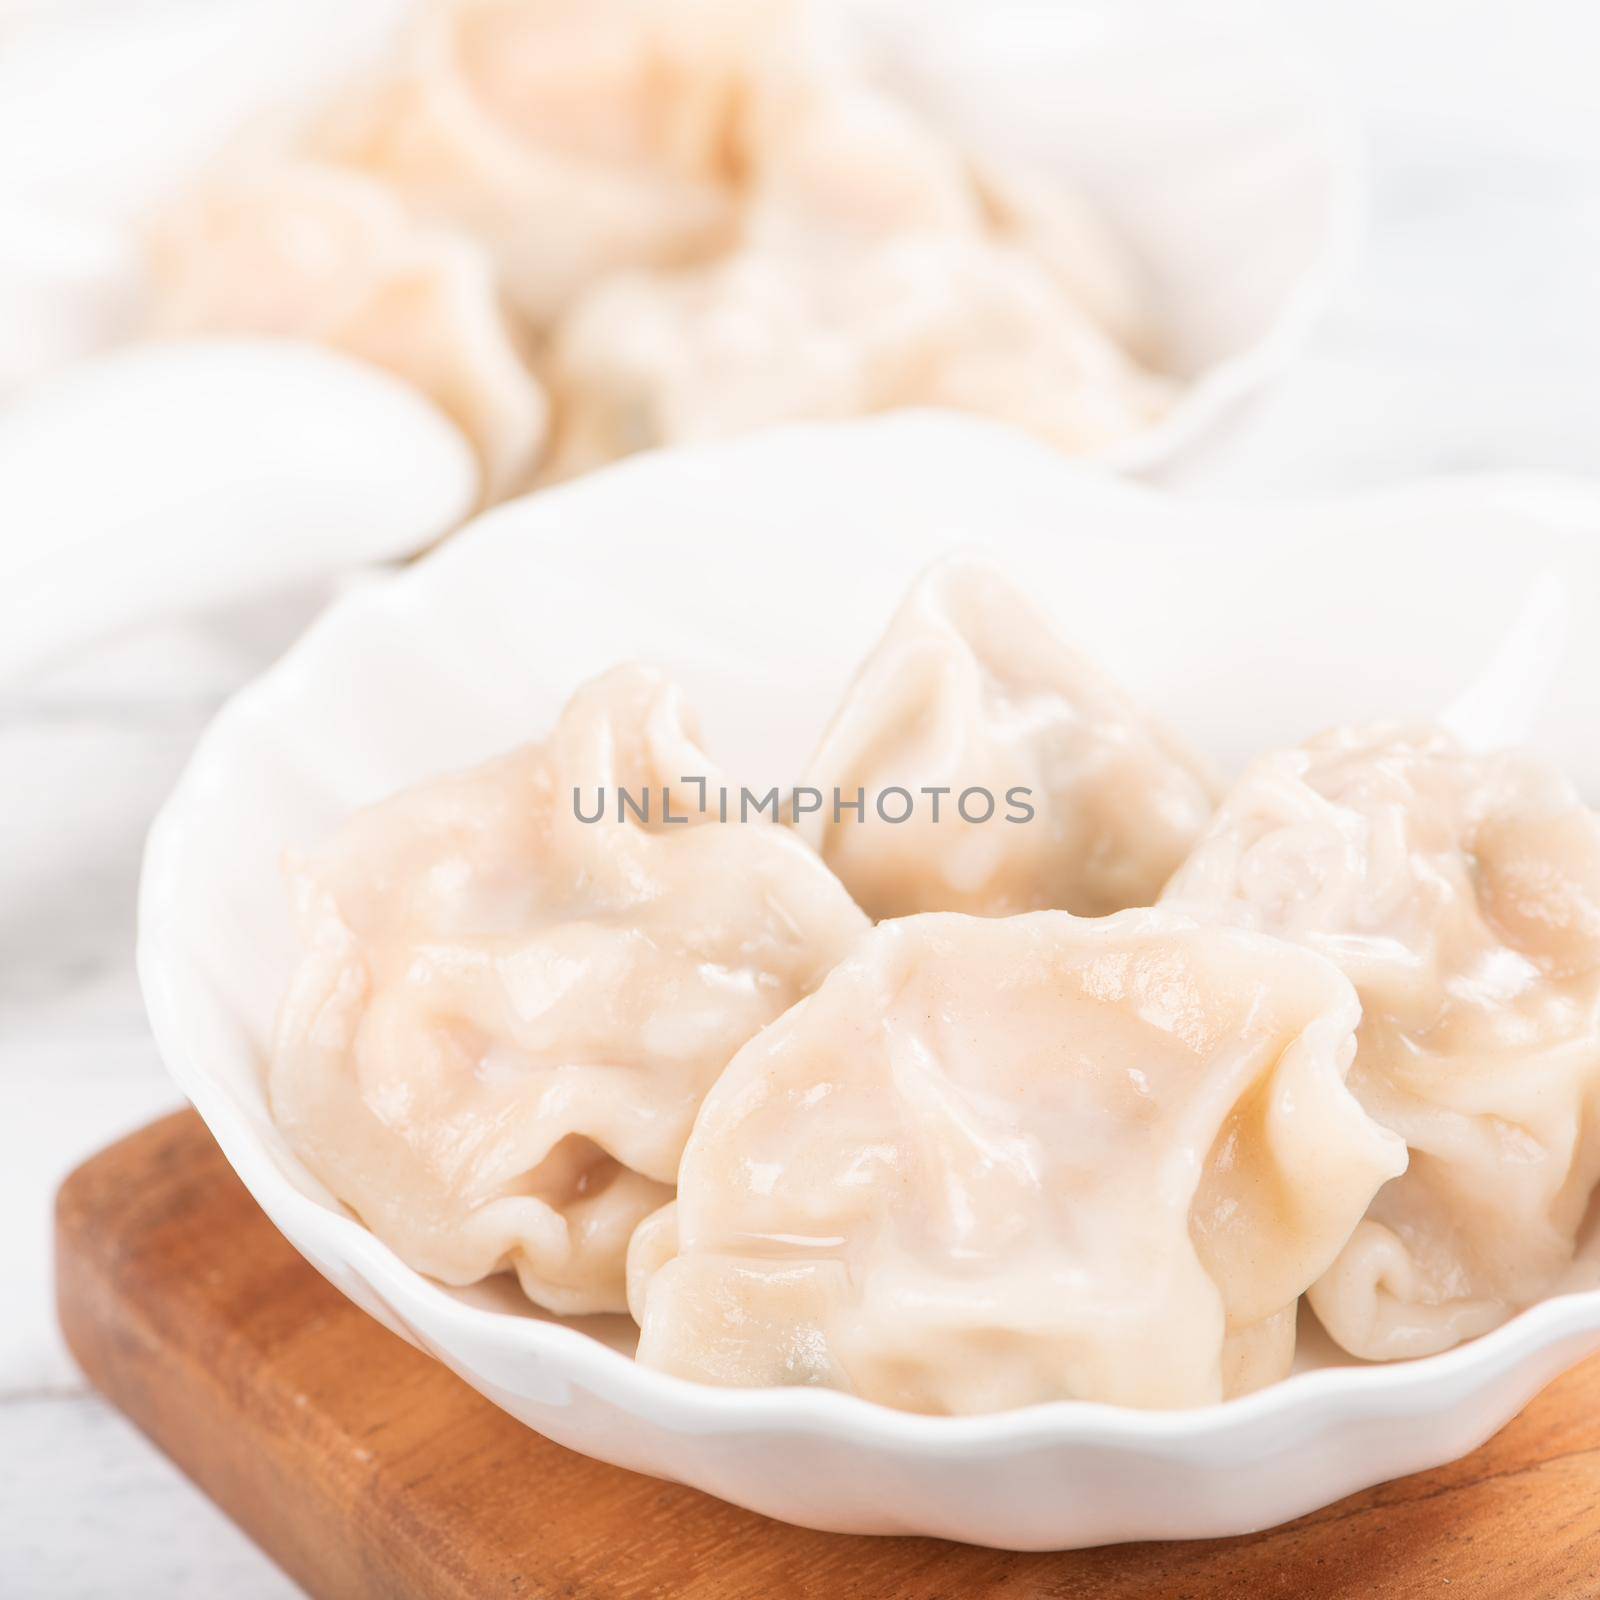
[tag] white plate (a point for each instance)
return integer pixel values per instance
(1221, 157)
(762, 570)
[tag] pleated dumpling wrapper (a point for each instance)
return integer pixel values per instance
(992, 1162)
(310, 252)
(972, 693)
(505, 1017)
(877, 269)
(575, 138)
(1461, 894)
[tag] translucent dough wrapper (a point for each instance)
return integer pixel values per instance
(998, 1161)
(1461, 894)
(504, 1018)
(971, 688)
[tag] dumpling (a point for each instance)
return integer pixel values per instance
(314, 253)
(505, 1016)
(651, 360)
(1060, 229)
(998, 1161)
(837, 161)
(874, 272)
(763, 337)
(1461, 893)
(755, 337)
(573, 137)
(833, 161)
(971, 692)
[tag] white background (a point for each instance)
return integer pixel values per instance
(1469, 336)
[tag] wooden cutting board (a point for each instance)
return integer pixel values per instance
(365, 1469)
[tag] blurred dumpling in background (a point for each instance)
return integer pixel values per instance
(840, 163)
(837, 155)
(313, 253)
(1461, 894)
(1053, 225)
(504, 1017)
(764, 338)
(972, 689)
(573, 138)
(876, 271)
(993, 1162)
(703, 216)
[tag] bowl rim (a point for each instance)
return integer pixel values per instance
(1205, 402)
(1413, 1387)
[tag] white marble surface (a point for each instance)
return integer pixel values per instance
(1468, 337)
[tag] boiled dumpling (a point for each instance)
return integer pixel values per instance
(762, 338)
(840, 163)
(833, 161)
(1461, 893)
(1072, 240)
(314, 253)
(684, 358)
(704, 216)
(505, 1017)
(998, 1161)
(972, 691)
(764, 333)
(875, 272)
(573, 137)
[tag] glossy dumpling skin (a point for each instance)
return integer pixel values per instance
(310, 252)
(504, 1019)
(998, 1161)
(1461, 894)
(971, 687)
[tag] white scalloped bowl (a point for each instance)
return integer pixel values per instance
(760, 571)
(1214, 148)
